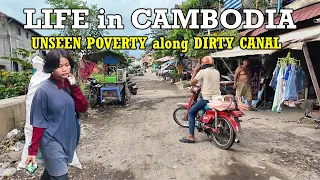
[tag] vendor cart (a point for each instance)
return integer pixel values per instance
(113, 83)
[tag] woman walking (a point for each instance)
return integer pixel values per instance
(56, 127)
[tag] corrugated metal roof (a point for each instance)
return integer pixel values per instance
(291, 40)
(164, 59)
(298, 15)
(298, 4)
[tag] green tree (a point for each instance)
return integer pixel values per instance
(157, 33)
(189, 34)
(92, 31)
(197, 4)
(92, 19)
(252, 4)
(22, 57)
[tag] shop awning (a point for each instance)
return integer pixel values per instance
(291, 40)
(298, 16)
(238, 52)
(164, 59)
(295, 39)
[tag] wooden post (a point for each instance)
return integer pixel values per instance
(257, 1)
(311, 71)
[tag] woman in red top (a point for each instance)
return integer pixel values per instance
(56, 127)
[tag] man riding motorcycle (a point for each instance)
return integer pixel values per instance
(209, 78)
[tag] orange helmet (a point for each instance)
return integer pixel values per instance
(207, 60)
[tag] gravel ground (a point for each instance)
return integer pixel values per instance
(141, 141)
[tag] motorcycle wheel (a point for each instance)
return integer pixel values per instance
(180, 115)
(123, 97)
(226, 128)
(93, 99)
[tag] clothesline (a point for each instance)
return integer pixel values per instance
(288, 81)
(288, 60)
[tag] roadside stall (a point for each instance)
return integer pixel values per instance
(111, 83)
(287, 67)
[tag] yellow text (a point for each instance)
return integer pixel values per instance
(56, 42)
(117, 42)
(162, 44)
(213, 42)
(256, 43)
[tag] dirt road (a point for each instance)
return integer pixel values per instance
(141, 141)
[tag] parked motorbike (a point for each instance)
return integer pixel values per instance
(220, 126)
(93, 91)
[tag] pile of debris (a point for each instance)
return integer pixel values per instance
(10, 152)
(11, 141)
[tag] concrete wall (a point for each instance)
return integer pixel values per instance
(4, 42)
(12, 114)
(12, 36)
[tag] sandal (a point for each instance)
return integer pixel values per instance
(186, 140)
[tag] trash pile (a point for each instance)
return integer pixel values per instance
(14, 141)
(6, 170)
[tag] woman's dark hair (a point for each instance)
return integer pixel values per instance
(52, 61)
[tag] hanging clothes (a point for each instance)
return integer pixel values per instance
(255, 79)
(300, 79)
(280, 89)
(86, 68)
(273, 82)
(286, 75)
(291, 88)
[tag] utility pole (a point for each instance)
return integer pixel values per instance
(219, 13)
(201, 3)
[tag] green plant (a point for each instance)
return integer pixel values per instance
(91, 18)
(253, 4)
(174, 74)
(14, 84)
(185, 85)
(25, 61)
(99, 77)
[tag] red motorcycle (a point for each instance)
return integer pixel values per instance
(220, 126)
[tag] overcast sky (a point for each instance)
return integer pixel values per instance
(14, 8)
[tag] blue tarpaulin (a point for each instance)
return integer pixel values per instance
(110, 60)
